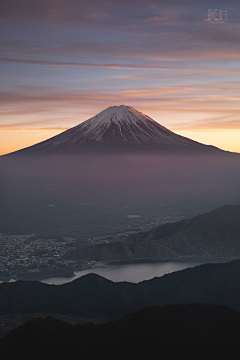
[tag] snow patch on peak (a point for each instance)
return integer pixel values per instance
(119, 125)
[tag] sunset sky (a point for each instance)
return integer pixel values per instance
(63, 61)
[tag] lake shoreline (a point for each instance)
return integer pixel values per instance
(95, 266)
(135, 272)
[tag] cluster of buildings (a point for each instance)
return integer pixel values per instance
(28, 257)
(25, 257)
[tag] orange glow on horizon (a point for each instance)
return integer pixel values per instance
(13, 140)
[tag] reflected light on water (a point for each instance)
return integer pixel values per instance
(131, 272)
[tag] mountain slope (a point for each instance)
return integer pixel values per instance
(214, 234)
(119, 128)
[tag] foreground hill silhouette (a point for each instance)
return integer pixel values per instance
(93, 296)
(172, 332)
(214, 234)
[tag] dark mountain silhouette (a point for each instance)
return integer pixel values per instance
(191, 331)
(214, 234)
(118, 128)
(93, 296)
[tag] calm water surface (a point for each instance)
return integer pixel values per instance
(131, 272)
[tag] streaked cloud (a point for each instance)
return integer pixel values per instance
(215, 124)
(53, 108)
(64, 61)
(101, 66)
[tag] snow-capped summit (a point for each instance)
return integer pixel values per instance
(119, 128)
(118, 125)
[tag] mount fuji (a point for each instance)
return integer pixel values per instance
(97, 176)
(119, 129)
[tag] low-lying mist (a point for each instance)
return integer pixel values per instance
(93, 194)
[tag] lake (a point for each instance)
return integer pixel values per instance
(130, 272)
